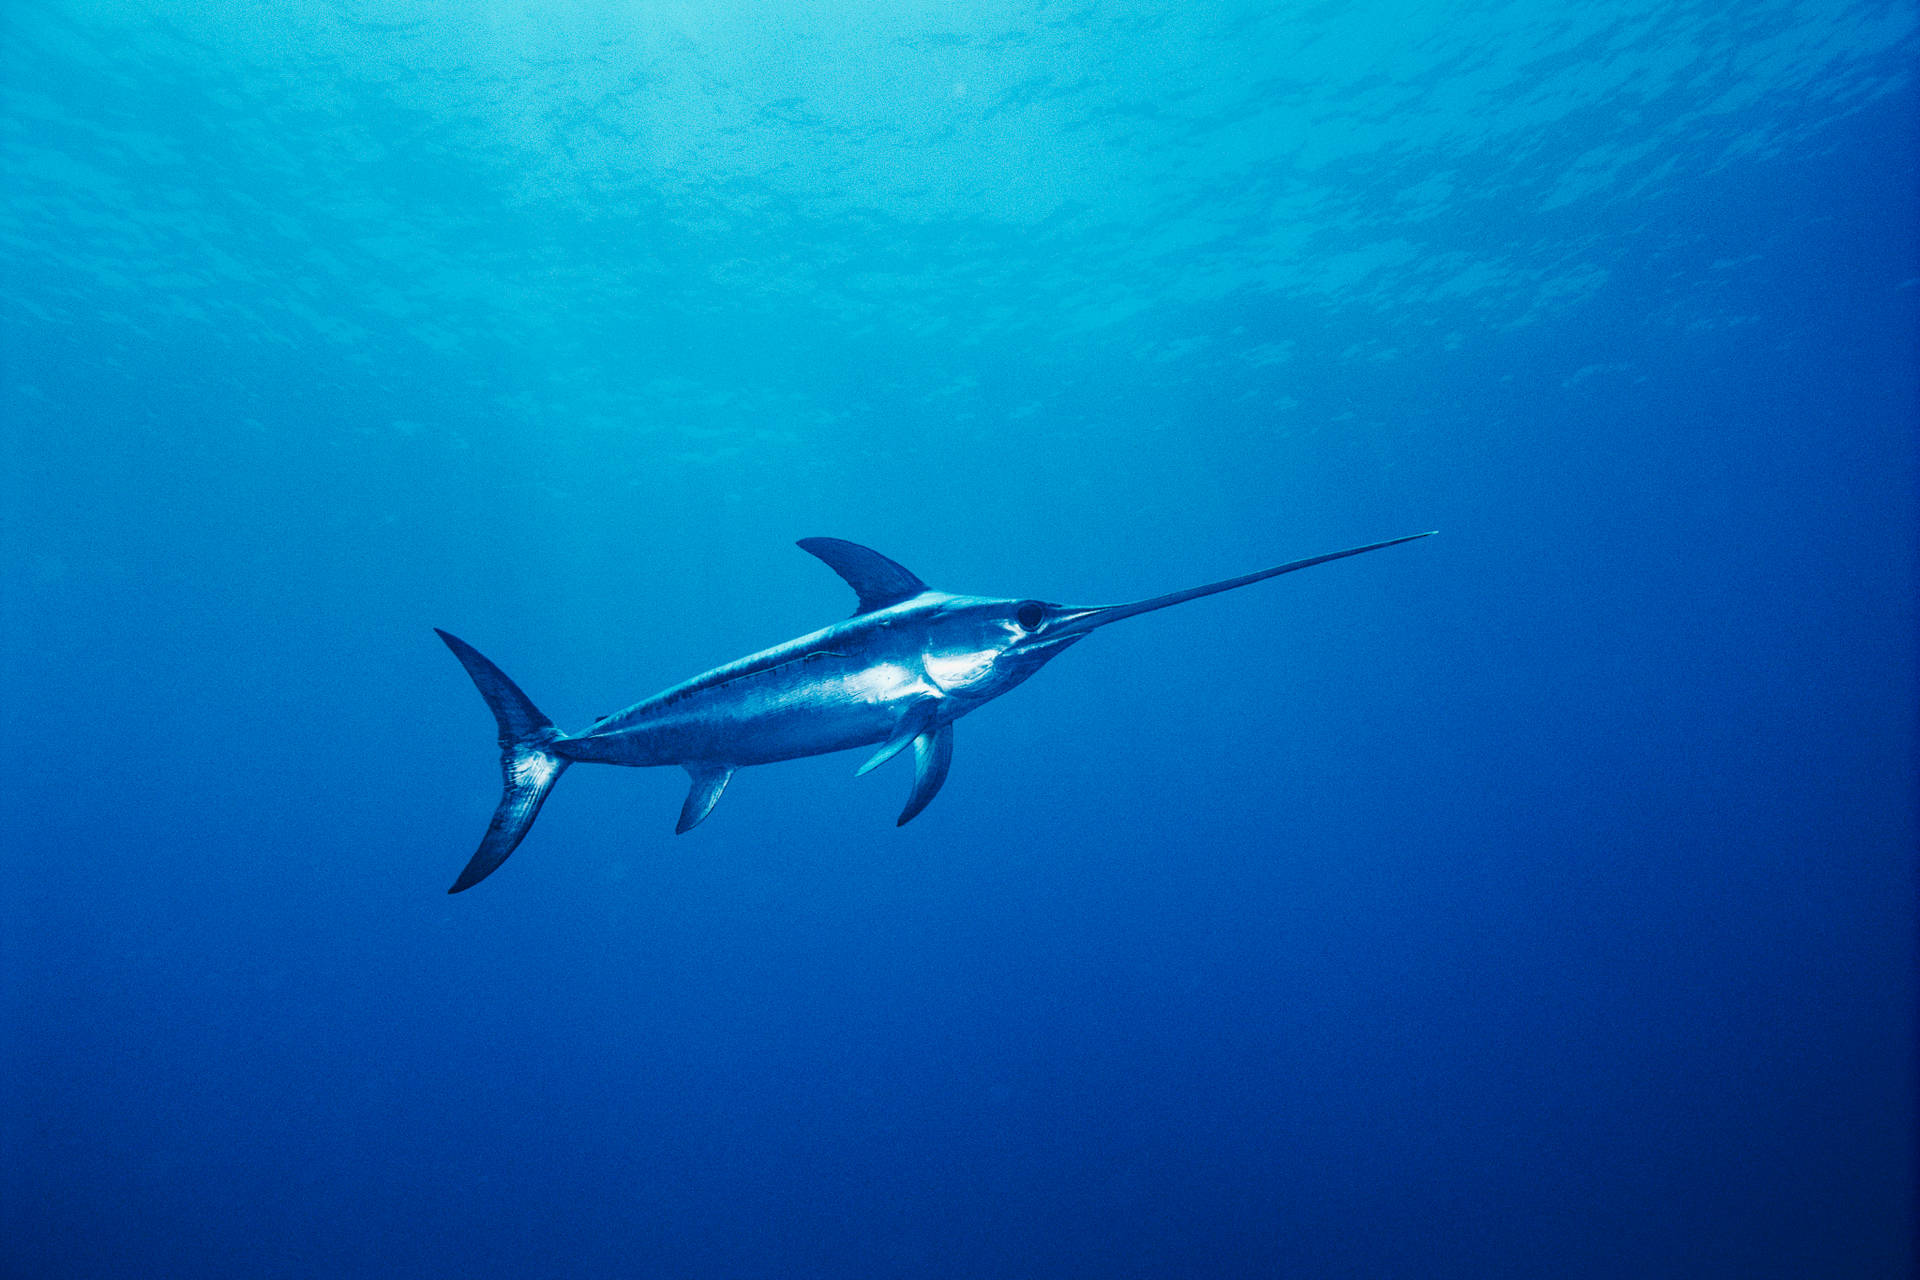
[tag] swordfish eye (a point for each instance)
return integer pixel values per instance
(1030, 614)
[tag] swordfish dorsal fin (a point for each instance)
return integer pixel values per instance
(878, 581)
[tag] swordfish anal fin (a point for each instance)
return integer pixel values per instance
(709, 780)
(878, 581)
(932, 753)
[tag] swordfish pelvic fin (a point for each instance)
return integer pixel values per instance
(916, 720)
(932, 753)
(878, 581)
(709, 780)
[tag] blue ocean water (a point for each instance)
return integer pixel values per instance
(1535, 900)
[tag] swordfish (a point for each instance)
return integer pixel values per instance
(897, 674)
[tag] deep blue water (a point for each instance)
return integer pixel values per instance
(1534, 900)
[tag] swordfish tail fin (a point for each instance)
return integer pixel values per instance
(529, 768)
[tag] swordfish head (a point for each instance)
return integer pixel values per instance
(976, 649)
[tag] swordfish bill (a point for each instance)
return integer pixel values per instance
(894, 676)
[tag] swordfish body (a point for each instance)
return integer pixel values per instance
(898, 673)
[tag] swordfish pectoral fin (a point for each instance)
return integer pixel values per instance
(709, 780)
(915, 720)
(932, 754)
